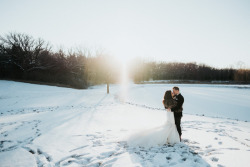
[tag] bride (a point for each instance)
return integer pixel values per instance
(164, 134)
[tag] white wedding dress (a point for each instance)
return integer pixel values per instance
(158, 136)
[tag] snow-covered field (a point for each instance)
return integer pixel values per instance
(226, 101)
(53, 126)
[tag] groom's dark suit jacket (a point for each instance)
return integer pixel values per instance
(178, 108)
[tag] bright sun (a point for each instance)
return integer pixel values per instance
(123, 61)
(124, 80)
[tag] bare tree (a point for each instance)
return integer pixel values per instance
(24, 50)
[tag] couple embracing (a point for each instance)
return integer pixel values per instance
(170, 131)
(173, 102)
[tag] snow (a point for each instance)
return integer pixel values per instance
(53, 126)
(17, 157)
(226, 101)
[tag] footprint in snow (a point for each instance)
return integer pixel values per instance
(79, 148)
(214, 159)
(233, 148)
(107, 154)
(183, 159)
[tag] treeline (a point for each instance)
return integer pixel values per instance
(142, 70)
(24, 58)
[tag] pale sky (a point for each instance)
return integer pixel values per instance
(214, 32)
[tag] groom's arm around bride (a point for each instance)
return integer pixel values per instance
(178, 108)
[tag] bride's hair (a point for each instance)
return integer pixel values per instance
(168, 100)
(168, 95)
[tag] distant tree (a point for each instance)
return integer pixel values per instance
(23, 50)
(144, 70)
(23, 57)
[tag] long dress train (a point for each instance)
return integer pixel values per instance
(164, 134)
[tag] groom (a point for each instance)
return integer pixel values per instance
(178, 108)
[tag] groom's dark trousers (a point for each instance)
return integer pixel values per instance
(178, 112)
(178, 124)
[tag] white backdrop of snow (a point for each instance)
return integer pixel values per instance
(54, 126)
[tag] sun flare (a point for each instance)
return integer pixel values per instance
(124, 80)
